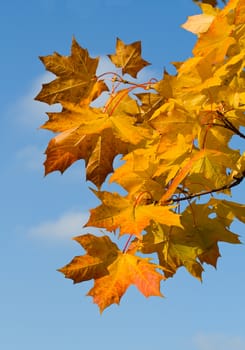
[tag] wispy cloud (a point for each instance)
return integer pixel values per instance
(204, 341)
(67, 225)
(31, 113)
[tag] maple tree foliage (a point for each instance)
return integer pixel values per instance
(174, 139)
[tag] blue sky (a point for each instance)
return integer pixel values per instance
(39, 308)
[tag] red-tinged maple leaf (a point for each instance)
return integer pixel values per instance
(117, 212)
(76, 80)
(128, 57)
(101, 252)
(68, 147)
(112, 270)
(124, 271)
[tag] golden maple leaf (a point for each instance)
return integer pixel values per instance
(118, 212)
(128, 57)
(101, 251)
(216, 41)
(137, 174)
(89, 133)
(76, 80)
(196, 242)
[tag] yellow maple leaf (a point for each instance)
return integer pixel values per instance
(137, 173)
(128, 57)
(216, 41)
(118, 212)
(76, 80)
(198, 24)
(196, 242)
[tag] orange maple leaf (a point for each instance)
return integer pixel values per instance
(126, 270)
(128, 57)
(89, 133)
(112, 270)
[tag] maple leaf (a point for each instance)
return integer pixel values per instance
(211, 164)
(127, 269)
(112, 271)
(128, 57)
(239, 12)
(137, 174)
(101, 252)
(198, 24)
(191, 245)
(216, 41)
(149, 103)
(117, 212)
(75, 80)
(89, 133)
(172, 120)
(226, 211)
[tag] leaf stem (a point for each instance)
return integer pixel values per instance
(127, 244)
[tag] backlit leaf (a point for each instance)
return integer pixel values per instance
(128, 57)
(76, 79)
(126, 270)
(117, 212)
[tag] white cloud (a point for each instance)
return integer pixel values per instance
(30, 112)
(218, 341)
(67, 225)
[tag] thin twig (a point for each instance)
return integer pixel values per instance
(236, 182)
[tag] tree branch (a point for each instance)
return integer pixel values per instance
(237, 181)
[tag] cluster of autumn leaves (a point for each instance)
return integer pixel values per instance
(174, 138)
